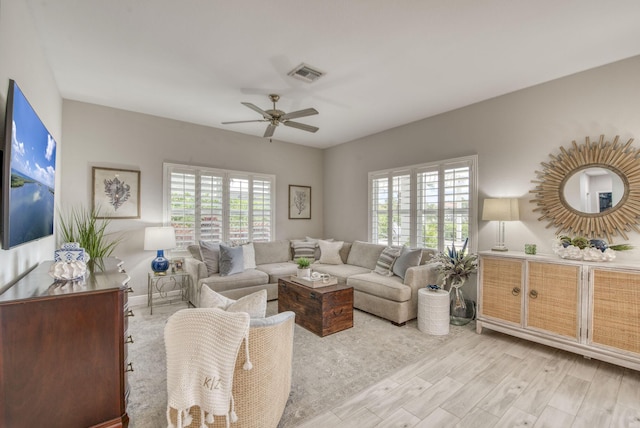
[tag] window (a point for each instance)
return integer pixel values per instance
(219, 206)
(429, 205)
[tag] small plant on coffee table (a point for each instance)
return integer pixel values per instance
(303, 263)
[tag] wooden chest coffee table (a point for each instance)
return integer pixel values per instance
(323, 310)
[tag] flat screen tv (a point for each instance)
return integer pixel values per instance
(28, 175)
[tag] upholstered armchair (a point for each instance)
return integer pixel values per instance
(260, 394)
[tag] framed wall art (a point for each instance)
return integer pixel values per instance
(299, 202)
(116, 193)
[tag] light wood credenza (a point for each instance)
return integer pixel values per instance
(63, 355)
(590, 308)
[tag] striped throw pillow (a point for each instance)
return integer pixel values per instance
(385, 261)
(303, 249)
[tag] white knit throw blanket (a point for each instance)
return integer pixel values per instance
(202, 346)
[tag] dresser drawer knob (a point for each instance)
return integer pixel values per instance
(129, 339)
(515, 291)
(129, 367)
(129, 313)
(533, 294)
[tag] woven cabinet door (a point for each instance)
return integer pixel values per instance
(615, 310)
(552, 298)
(501, 289)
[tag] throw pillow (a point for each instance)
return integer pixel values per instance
(249, 256)
(303, 249)
(315, 241)
(194, 250)
(385, 261)
(255, 304)
(231, 260)
(330, 252)
(211, 299)
(210, 254)
(408, 258)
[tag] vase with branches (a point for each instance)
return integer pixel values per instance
(455, 268)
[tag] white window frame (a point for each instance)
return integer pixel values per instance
(413, 171)
(226, 175)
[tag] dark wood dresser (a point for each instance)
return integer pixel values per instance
(63, 356)
(323, 310)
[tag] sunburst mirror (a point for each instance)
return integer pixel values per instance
(591, 189)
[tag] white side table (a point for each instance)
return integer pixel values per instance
(433, 311)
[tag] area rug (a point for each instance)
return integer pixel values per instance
(325, 371)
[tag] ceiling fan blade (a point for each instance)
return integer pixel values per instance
(301, 126)
(299, 113)
(244, 121)
(269, 131)
(259, 110)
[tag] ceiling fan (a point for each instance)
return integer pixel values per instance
(276, 117)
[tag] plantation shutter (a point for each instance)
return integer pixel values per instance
(218, 206)
(262, 209)
(429, 205)
(182, 206)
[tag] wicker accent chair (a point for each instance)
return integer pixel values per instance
(261, 393)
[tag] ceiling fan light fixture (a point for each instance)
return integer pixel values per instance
(275, 117)
(306, 73)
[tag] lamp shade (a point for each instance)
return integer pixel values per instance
(505, 209)
(159, 238)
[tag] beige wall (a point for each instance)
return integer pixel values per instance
(101, 136)
(22, 59)
(511, 134)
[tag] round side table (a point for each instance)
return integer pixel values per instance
(433, 311)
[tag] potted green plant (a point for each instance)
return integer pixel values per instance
(304, 270)
(82, 226)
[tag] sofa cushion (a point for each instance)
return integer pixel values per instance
(344, 251)
(342, 272)
(278, 270)
(303, 249)
(364, 254)
(427, 255)
(194, 250)
(255, 304)
(315, 242)
(272, 252)
(210, 255)
(386, 260)
(249, 255)
(211, 299)
(386, 287)
(408, 258)
(248, 278)
(330, 252)
(231, 260)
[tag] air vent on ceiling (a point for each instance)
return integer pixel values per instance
(306, 73)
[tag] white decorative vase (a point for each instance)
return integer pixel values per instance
(304, 273)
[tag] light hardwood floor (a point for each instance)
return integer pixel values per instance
(494, 380)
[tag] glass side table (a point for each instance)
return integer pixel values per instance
(163, 286)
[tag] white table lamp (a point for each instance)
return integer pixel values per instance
(159, 239)
(501, 210)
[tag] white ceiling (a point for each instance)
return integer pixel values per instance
(388, 62)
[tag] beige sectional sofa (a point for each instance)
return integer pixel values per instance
(388, 296)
